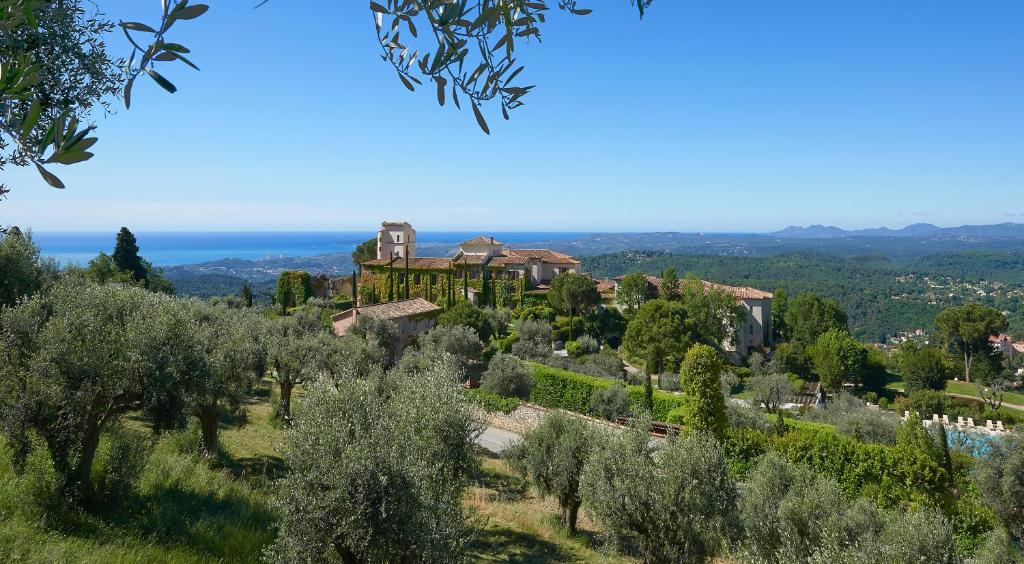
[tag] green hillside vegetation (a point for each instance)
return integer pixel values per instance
(881, 295)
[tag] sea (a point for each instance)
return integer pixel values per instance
(169, 248)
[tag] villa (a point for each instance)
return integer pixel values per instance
(754, 333)
(413, 318)
(483, 271)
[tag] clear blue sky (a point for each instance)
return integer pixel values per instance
(706, 116)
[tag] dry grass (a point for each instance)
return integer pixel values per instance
(516, 525)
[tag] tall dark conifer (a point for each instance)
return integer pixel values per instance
(126, 255)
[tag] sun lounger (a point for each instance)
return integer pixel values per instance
(970, 422)
(935, 417)
(945, 420)
(906, 415)
(999, 426)
(960, 421)
(989, 425)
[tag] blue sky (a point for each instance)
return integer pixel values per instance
(706, 116)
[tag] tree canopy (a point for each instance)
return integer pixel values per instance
(967, 328)
(658, 327)
(838, 358)
(632, 291)
(809, 316)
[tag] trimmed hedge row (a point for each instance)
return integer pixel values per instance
(889, 475)
(557, 388)
(492, 402)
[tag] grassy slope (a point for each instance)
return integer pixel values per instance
(186, 510)
(515, 525)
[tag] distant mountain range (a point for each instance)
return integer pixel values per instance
(1001, 230)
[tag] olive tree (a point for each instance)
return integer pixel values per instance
(235, 357)
(507, 376)
(377, 472)
(553, 456)
(22, 271)
(678, 503)
(80, 356)
(771, 390)
(460, 341)
(999, 475)
(296, 356)
(534, 339)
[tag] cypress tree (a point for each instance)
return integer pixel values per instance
(126, 255)
(355, 300)
(408, 280)
(247, 294)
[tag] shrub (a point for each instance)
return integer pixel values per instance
(588, 345)
(851, 417)
(883, 402)
(465, 313)
(871, 397)
(538, 313)
(610, 403)
(35, 493)
(889, 475)
(120, 459)
(558, 388)
(492, 402)
(927, 402)
(605, 364)
(507, 376)
(574, 349)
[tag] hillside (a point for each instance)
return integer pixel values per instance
(881, 295)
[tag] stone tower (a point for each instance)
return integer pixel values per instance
(396, 239)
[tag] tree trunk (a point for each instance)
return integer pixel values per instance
(83, 472)
(345, 553)
(285, 406)
(967, 366)
(208, 425)
(569, 515)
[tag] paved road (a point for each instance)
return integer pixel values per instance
(496, 440)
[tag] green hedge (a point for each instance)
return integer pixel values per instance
(492, 402)
(557, 388)
(889, 475)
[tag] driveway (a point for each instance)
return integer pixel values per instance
(496, 440)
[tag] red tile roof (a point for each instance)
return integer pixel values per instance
(741, 292)
(414, 262)
(481, 240)
(396, 310)
(545, 255)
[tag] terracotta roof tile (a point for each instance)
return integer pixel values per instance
(481, 240)
(545, 255)
(741, 292)
(415, 262)
(395, 310)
